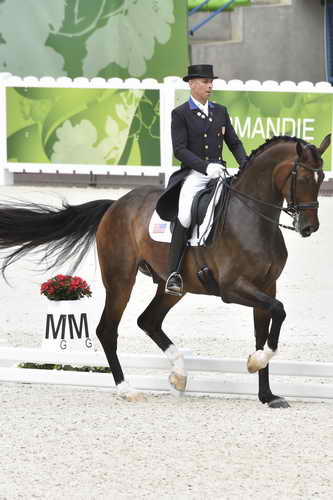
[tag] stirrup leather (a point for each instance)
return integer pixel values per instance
(174, 285)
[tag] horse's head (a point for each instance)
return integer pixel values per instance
(299, 181)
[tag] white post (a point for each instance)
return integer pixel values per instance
(6, 177)
(167, 105)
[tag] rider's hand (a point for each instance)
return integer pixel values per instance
(214, 170)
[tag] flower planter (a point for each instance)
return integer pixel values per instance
(68, 326)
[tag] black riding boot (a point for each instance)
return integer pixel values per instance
(174, 284)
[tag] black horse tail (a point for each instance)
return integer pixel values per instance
(61, 233)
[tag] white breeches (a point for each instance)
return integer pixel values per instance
(194, 182)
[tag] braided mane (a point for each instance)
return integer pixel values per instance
(270, 142)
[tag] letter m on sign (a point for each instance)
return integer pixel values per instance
(51, 328)
(83, 327)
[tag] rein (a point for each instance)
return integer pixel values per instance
(293, 208)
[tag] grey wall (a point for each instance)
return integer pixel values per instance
(264, 42)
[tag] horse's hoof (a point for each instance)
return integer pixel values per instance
(256, 361)
(251, 364)
(133, 397)
(128, 393)
(178, 381)
(279, 403)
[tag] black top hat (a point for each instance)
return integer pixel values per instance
(200, 71)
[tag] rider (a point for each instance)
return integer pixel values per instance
(198, 129)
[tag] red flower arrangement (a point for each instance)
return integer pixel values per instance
(64, 287)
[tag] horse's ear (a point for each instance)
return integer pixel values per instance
(299, 149)
(324, 145)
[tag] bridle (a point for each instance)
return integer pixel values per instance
(293, 208)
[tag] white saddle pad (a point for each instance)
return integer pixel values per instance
(159, 230)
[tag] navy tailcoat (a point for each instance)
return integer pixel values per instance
(197, 140)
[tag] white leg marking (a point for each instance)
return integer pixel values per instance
(178, 375)
(176, 359)
(260, 359)
(269, 352)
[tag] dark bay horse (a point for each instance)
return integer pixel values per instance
(244, 262)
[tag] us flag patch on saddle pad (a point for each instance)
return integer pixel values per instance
(159, 230)
(159, 227)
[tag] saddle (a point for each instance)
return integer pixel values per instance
(201, 201)
(200, 204)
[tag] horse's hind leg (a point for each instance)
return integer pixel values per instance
(117, 296)
(151, 321)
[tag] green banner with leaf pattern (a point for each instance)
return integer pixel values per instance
(107, 38)
(83, 126)
(260, 115)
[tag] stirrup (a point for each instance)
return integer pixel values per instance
(174, 285)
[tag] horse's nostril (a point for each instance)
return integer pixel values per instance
(306, 231)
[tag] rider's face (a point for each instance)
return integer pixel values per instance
(201, 88)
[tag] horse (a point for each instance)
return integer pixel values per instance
(240, 266)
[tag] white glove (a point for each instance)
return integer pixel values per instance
(214, 170)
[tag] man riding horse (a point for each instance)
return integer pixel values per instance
(198, 129)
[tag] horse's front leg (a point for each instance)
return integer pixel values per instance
(265, 395)
(267, 308)
(260, 359)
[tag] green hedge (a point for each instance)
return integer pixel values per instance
(216, 4)
(51, 366)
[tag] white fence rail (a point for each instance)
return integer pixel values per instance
(198, 383)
